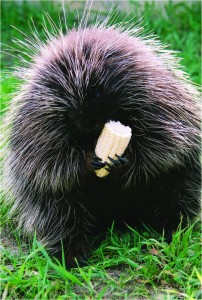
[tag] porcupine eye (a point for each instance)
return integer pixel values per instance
(97, 92)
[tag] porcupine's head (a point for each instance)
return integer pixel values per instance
(79, 81)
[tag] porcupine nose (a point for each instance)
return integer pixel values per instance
(85, 125)
(89, 127)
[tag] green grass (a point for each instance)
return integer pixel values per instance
(126, 266)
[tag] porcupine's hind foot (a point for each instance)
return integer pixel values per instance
(68, 228)
(115, 163)
(75, 253)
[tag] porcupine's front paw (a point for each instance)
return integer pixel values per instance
(115, 163)
(97, 163)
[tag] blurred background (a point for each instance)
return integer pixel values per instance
(176, 23)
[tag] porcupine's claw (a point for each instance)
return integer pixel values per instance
(97, 163)
(115, 163)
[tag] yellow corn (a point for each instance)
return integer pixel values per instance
(113, 139)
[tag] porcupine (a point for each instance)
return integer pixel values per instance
(74, 84)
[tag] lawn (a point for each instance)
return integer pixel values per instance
(133, 265)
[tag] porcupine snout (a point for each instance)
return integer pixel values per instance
(88, 122)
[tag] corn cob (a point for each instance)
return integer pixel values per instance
(113, 139)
